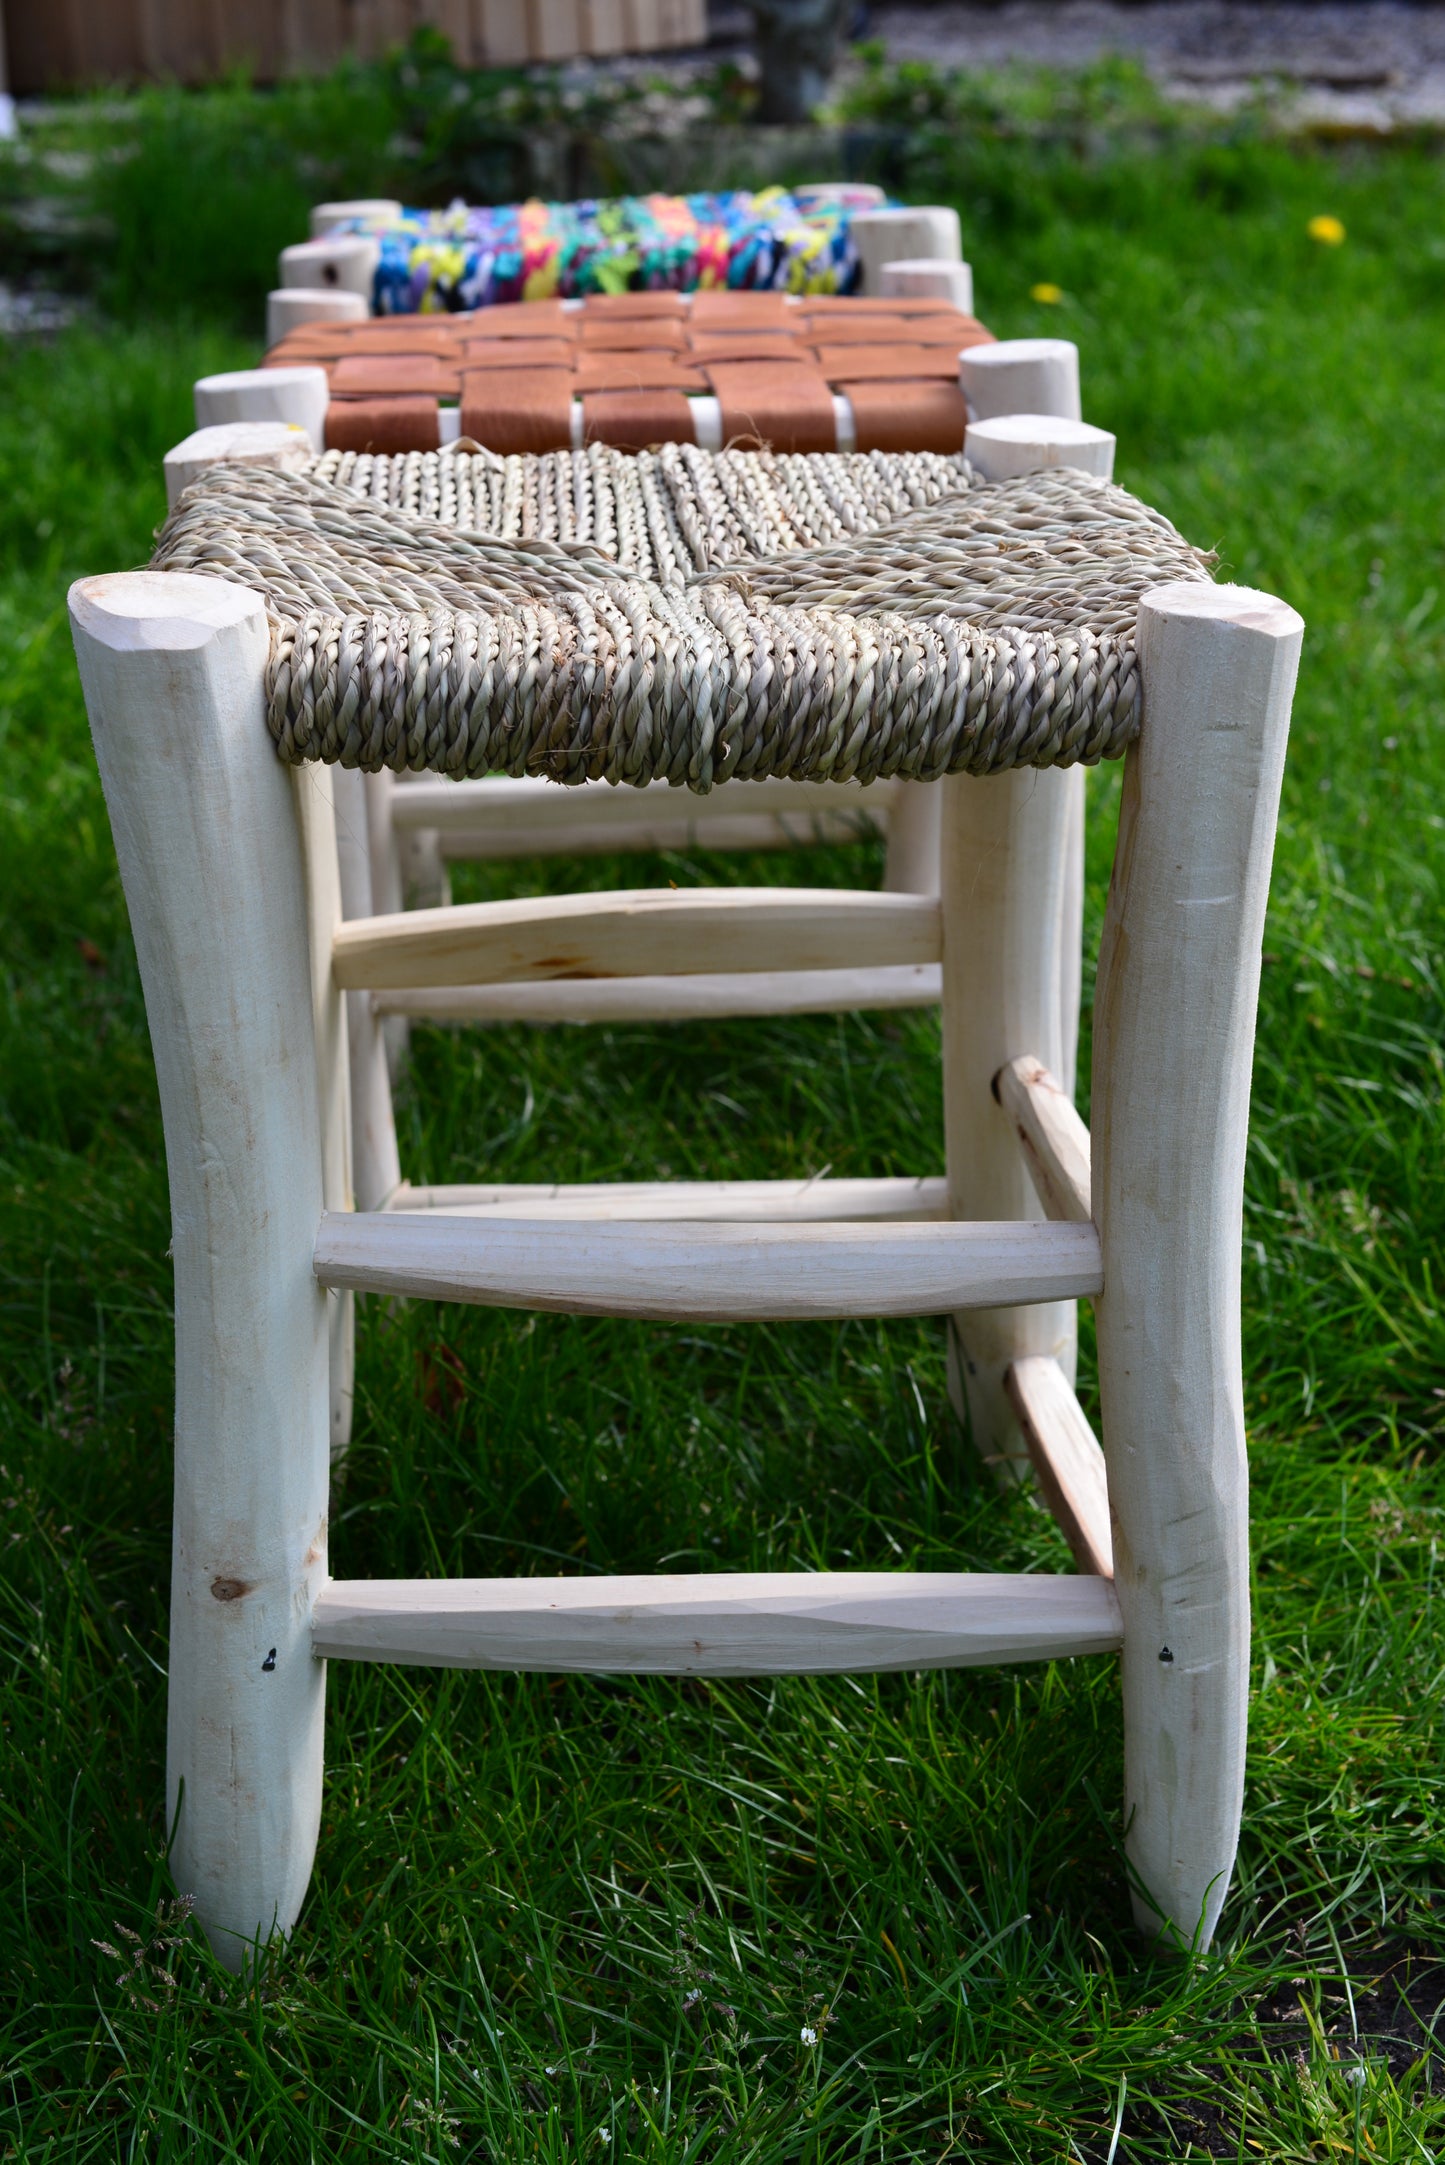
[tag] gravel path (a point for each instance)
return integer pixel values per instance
(1374, 66)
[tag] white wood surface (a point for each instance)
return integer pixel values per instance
(1173, 1043)
(864, 194)
(1071, 929)
(172, 669)
(702, 1271)
(425, 879)
(316, 819)
(730, 996)
(409, 871)
(386, 899)
(299, 395)
(914, 840)
(1053, 1138)
(1022, 375)
(895, 234)
(739, 1201)
(667, 830)
(1026, 443)
(1030, 877)
(1067, 1461)
(375, 1164)
(288, 307)
(381, 795)
(1029, 420)
(347, 260)
(637, 932)
(493, 808)
(928, 278)
(763, 1623)
(1003, 886)
(502, 817)
(281, 445)
(325, 217)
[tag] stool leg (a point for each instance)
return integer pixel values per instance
(375, 1162)
(1071, 927)
(314, 789)
(1173, 1045)
(207, 836)
(387, 895)
(914, 840)
(1003, 881)
(425, 878)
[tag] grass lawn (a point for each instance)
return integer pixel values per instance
(560, 1919)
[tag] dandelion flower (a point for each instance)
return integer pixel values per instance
(808, 2035)
(1326, 229)
(1052, 295)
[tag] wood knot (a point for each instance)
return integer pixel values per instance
(229, 1589)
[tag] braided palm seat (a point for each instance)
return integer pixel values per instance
(691, 617)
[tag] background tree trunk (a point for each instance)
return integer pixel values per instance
(797, 48)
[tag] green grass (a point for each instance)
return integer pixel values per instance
(549, 1912)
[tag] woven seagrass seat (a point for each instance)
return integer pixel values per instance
(999, 629)
(988, 629)
(663, 513)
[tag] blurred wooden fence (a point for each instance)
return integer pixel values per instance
(55, 44)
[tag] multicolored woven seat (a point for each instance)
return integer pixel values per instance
(473, 256)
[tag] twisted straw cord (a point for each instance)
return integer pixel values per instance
(982, 627)
(715, 507)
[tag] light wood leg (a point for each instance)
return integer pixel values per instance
(1173, 1044)
(375, 1162)
(316, 816)
(915, 839)
(1003, 876)
(425, 879)
(387, 895)
(382, 843)
(1071, 925)
(207, 836)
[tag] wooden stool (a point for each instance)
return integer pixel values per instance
(383, 820)
(371, 809)
(229, 861)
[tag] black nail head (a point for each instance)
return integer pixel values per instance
(1164, 1654)
(270, 1662)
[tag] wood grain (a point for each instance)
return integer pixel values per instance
(637, 932)
(766, 1623)
(375, 1161)
(1004, 865)
(502, 817)
(312, 788)
(1068, 1463)
(173, 673)
(1173, 1049)
(737, 1201)
(696, 1271)
(732, 995)
(1053, 1138)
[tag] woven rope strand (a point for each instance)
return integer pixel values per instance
(950, 626)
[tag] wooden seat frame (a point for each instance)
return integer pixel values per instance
(230, 866)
